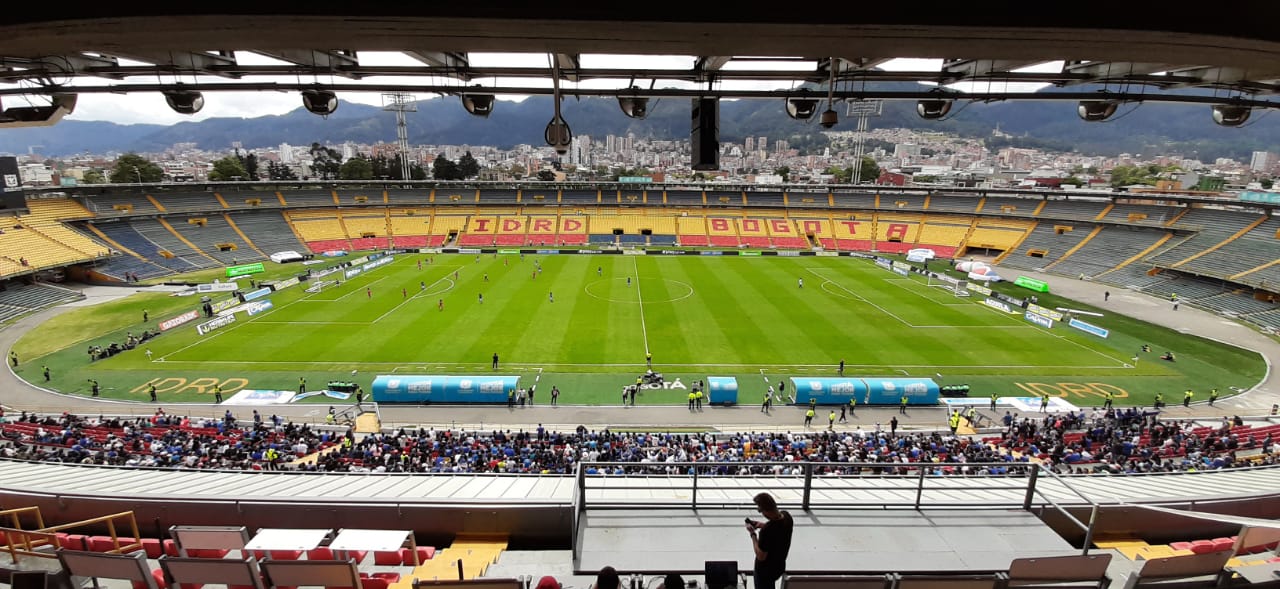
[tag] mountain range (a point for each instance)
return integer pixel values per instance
(1148, 128)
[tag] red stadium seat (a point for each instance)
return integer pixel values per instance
(424, 554)
(153, 547)
(285, 554)
(387, 558)
(1203, 546)
(322, 553)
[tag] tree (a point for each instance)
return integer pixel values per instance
(276, 171)
(249, 163)
(445, 169)
(518, 171)
(840, 175)
(227, 169)
(1073, 180)
(784, 171)
(1267, 183)
(546, 175)
(326, 162)
(468, 166)
(416, 171)
(870, 170)
(356, 168)
(132, 167)
(94, 176)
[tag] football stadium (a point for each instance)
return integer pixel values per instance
(487, 384)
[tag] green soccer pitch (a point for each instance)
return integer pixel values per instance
(584, 323)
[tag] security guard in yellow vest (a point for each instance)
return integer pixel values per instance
(1186, 398)
(692, 398)
(902, 405)
(808, 417)
(954, 420)
(993, 401)
(1159, 400)
(1213, 396)
(972, 416)
(698, 398)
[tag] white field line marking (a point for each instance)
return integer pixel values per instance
(921, 295)
(357, 289)
(416, 295)
(644, 332)
(533, 366)
(858, 297)
(1010, 317)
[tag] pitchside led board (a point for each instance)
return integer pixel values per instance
(244, 269)
(413, 388)
(12, 198)
(868, 391)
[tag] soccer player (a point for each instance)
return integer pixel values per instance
(486, 277)
(840, 371)
(628, 281)
(404, 293)
(419, 264)
(801, 283)
(599, 270)
(495, 360)
(551, 297)
(440, 305)
(481, 295)
(422, 285)
(368, 292)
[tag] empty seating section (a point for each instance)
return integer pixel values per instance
(579, 196)
(215, 236)
(754, 232)
(446, 196)
(124, 233)
(901, 202)
(1239, 303)
(1214, 226)
(817, 229)
(321, 230)
(409, 197)
(511, 230)
(1045, 244)
(361, 197)
(724, 198)
(539, 197)
(1267, 319)
(19, 299)
(1002, 205)
(784, 235)
(958, 203)
(366, 229)
(44, 216)
(817, 200)
(411, 227)
(120, 205)
(684, 198)
(765, 199)
(1133, 276)
(481, 230)
(722, 231)
(248, 199)
(855, 232)
(21, 243)
(692, 230)
(158, 233)
(854, 200)
(1107, 249)
(268, 230)
(53, 210)
(992, 235)
(182, 202)
(444, 226)
(1257, 248)
(308, 198)
(1141, 214)
(943, 237)
(498, 197)
(629, 197)
(897, 233)
(1070, 209)
(1188, 288)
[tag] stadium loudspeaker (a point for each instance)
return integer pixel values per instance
(705, 134)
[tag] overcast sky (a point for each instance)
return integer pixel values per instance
(150, 107)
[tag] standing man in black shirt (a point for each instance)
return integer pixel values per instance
(771, 540)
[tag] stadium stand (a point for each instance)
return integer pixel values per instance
(783, 233)
(537, 196)
(321, 230)
(124, 233)
(579, 197)
(854, 232)
(943, 234)
(722, 231)
(1016, 207)
(397, 196)
(461, 196)
(247, 198)
(511, 230)
(1046, 243)
(491, 196)
(120, 205)
(366, 229)
(481, 230)
(1101, 253)
(753, 232)
(692, 230)
(901, 202)
(720, 198)
(1070, 209)
(1256, 249)
(955, 203)
(215, 237)
(1213, 227)
(269, 230)
(445, 227)
(308, 198)
(411, 227)
(186, 202)
(854, 200)
(1130, 214)
(20, 299)
(765, 199)
(684, 198)
(897, 233)
(350, 197)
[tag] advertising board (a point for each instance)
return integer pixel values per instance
(413, 388)
(217, 287)
(173, 322)
(1032, 283)
(1089, 328)
(1050, 313)
(998, 305)
(243, 269)
(1039, 319)
(215, 323)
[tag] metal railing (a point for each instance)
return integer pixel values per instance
(806, 485)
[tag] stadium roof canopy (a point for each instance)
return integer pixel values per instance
(1120, 51)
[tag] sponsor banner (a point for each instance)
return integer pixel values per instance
(722, 389)
(1008, 299)
(945, 278)
(867, 391)
(213, 324)
(258, 307)
(1050, 313)
(325, 272)
(339, 395)
(1089, 328)
(243, 269)
(257, 294)
(508, 251)
(224, 304)
(546, 252)
(982, 290)
(902, 271)
(217, 287)
(259, 397)
(749, 253)
(884, 263)
(333, 253)
(788, 253)
(352, 272)
(624, 252)
(673, 252)
(917, 258)
(358, 261)
(589, 252)
(411, 388)
(469, 250)
(711, 253)
(187, 317)
(312, 262)
(383, 261)
(922, 252)
(1031, 283)
(829, 254)
(286, 283)
(1039, 319)
(997, 304)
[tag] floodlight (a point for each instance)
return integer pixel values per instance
(320, 102)
(60, 106)
(829, 118)
(1231, 115)
(558, 135)
(184, 102)
(1097, 110)
(480, 105)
